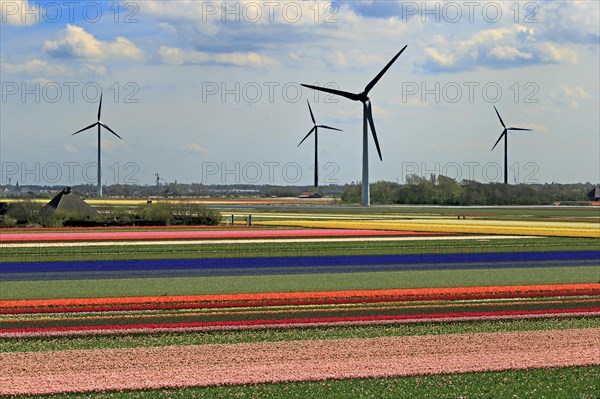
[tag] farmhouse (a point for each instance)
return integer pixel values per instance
(594, 195)
(310, 194)
(66, 201)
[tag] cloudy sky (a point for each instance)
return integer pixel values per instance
(206, 93)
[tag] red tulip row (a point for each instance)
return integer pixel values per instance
(264, 323)
(405, 294)
(101, 315)
(298, 302)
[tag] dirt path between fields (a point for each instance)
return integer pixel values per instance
(135, 368)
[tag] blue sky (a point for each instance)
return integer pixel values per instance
(203, 93)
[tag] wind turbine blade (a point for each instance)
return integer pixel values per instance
(100, 107)
(519, 128)
(501, 121)
(311, 114)
(329, 127)
(110, 130)
(351, 96)
(305, 137)
(85, 128)
(372, 124)
(499, 138)
(383, 71)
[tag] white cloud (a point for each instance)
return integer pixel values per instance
(412, 101)
(70, 148)
(337, 58)
(90, 69)
(555, 53)
(111, 143)
(439, 58)
(570, 21)
(575, 91)
(536, 127)
(495, 48)
(574, 94)
(18, 12)
(75, 42)
(508, 53)
(356, 58)
(197, 148)
(500, 43)
(36, 67)
(177, 56)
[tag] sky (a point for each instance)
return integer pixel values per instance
(209, 92)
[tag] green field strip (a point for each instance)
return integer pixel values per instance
(277, 334)
(555, 383)
(187, 251)
(295, 282)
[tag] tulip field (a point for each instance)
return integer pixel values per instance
(306, 303)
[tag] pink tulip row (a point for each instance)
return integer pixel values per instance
(245, 363)
(234, 233)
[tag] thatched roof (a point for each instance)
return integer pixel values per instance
(66, 201)
(594, 194)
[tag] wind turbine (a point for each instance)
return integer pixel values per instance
(158, 179)
(505, 134)
(316, 130)
(367, 118)
(99, 124)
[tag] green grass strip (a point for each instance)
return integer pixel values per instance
(292, 334)
(556, 383)
(294, 282)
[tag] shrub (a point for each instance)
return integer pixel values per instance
(195, 214)
(24, 212)
(160, 214)
(8, 222)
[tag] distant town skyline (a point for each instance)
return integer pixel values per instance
(211, 94)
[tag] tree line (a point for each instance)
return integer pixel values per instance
(442, 190)
(29, 213)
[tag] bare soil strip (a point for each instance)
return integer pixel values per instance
(248, 241)
(202, 365)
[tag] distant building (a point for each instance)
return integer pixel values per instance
(310, 194)
(594, 195)
(68, 202)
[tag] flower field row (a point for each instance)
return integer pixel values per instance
(110, 315)
(269, 296)
(304, 360)
(234, 233)
(66, 270)
(530, 228)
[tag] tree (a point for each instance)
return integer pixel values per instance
(352, 193)
(384, 192)
(449, 191)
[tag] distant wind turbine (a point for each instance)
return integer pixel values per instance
(99, 124)
(367, 118)
(158, 179)
(505, 134)
(316, 130)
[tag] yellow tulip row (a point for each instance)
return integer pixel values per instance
(557, 229)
